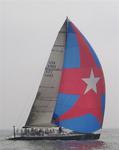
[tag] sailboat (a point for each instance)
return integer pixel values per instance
(71, 95)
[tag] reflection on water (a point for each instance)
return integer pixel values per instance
(82, 145)
(69, 145)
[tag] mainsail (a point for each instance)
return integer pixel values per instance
(43, 107)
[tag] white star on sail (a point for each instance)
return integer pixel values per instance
(91, 82)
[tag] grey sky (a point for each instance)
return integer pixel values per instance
(27, 32)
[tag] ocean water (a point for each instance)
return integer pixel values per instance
(109, 141)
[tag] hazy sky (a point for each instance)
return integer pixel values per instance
(27, 32)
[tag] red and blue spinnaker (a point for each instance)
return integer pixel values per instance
(80, 102)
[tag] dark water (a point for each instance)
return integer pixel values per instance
(109, 141)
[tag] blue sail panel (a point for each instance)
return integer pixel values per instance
(103, 103)
(83, 124)
(72, 53)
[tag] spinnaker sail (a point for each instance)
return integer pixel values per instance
(81, 99)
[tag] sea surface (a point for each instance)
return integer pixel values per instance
(109, 141)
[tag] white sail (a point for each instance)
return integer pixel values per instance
(43, 107)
